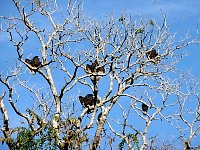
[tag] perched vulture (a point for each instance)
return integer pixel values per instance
(88, 102)
(95, 64)
(92, 68)
(96, 70)
(100, 70)
(28, 61)
(6, 125)
(35, 62)
(144, 108)
(152, 54)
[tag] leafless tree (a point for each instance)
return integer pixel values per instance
(114, 67)
(186, 118)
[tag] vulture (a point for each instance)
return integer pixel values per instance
(92, 68)
(144, 108)
(95, 70)
(28, 61)
(35, 62)
(100, 70)
(152, 54)
(88, 102)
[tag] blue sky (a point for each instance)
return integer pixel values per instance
(183, 15)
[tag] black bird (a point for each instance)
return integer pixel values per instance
(6, 125)
(144, 108)
(88, 102)
(95, 64)
(95, 69)
(90, 68)
(35, 62)
(152, 54)
(28, 61)
(100, 70)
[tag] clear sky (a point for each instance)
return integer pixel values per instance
(183, 15)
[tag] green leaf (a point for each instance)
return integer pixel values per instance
(139, 30)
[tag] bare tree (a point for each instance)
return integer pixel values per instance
(114, 66)
(186, 118)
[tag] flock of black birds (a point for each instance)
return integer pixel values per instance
(95, 71)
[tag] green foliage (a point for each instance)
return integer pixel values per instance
(49, 137)
(7, 140)
(71, 137)
(45, 138)
(25, 139)
(139, 31)
(133, 139)
(121, 144)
